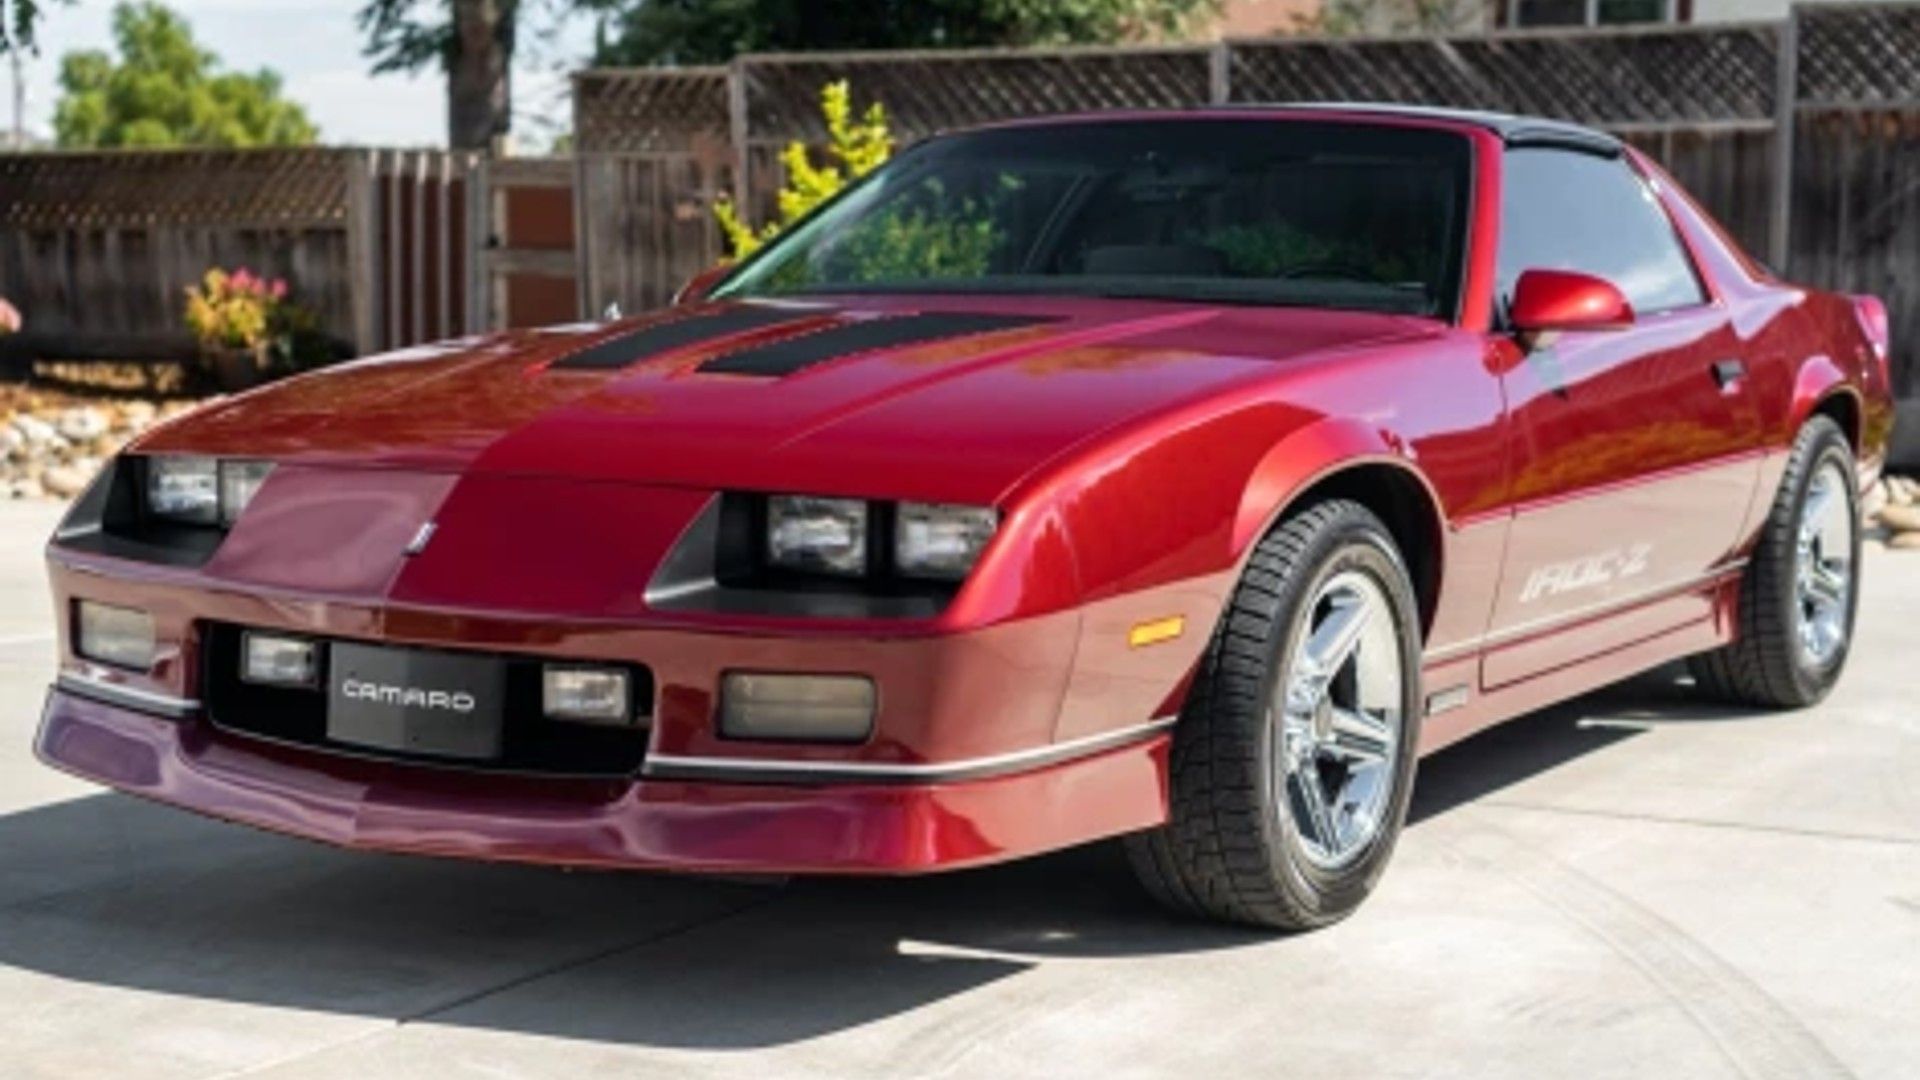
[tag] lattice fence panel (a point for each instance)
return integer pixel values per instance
(642, 111)
(1867, 54)
(1424, 71)
(258, 188)
(928, 92)
(1613, 78)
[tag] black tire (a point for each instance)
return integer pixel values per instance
(1228, 851)
(1764, 665)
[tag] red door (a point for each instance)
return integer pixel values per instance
(1635, 451)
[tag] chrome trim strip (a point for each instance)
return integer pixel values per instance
(126, 697)
(1592, 611)
(678, 766)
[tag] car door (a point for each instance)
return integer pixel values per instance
(1634, 452)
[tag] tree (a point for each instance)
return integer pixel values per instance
(471, 40)
(18, 20)
(714, 31)
(167, 91)
(855, 147)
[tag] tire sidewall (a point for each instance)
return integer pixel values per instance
(1826, 446)
(1356, 543)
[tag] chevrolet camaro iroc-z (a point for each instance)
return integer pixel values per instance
(1181, 477)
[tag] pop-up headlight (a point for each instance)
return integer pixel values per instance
(939, 540)
(825, 536)
(189, 489)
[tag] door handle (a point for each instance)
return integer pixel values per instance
(1728, 373)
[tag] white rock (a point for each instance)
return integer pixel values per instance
(1900, 518)
(1906, 541)
(34, 430)
(25, 487)
(1903, 489)
(66, 481)
(82, 424)
(10, 440)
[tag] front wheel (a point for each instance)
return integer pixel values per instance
(1293, 760)
(1801, 587)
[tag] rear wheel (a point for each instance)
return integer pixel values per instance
(1293, 760)
(1801, 588)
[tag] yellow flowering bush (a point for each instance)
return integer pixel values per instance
(855, 146)
(239, 310)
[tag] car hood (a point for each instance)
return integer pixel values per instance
(939, 398)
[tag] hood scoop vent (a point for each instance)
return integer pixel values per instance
(618, 352)
(789, 355)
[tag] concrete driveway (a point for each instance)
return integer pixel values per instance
(1635, 885)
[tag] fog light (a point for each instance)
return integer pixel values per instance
(815, 708)
(271, 660)
(122, 637)
(587, 695)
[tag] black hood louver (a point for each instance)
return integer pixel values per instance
(649, 341)
(788, 355)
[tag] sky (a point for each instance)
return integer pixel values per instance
(315, 47)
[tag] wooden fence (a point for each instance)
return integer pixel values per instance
(1803, 136)
(97, 249)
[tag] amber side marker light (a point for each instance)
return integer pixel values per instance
(1156, 631)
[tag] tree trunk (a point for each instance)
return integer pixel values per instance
(479, 73)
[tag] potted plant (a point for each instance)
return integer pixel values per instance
(245, 325)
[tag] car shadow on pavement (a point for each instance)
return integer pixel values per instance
(110, 891)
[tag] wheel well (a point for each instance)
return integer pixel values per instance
(1842, 409)
(1401, 502)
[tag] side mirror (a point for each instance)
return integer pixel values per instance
(702, 283)
(1553, 301)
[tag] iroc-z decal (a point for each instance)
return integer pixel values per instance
(1587, 572)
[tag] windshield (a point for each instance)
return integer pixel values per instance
(1257, 211)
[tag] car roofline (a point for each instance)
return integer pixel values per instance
(1510, 129)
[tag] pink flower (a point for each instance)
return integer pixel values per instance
(9, 318)
(278, 290)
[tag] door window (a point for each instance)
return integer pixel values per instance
(1566, 210)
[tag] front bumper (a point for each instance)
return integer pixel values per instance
(1022, 807)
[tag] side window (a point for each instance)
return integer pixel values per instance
(1565, 210)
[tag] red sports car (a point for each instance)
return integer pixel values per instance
(1177, 476)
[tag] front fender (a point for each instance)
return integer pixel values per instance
(1308, 455)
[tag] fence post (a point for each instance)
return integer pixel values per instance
(363, 250)
(1786, 100)
(737, 130)
(480, 245)
(1220, 73)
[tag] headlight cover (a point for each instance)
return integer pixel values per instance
(184, 489)
(941, 541)
(190, 489)
(819, 535)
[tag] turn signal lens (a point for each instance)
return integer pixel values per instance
(797, 708)
(939, 540)
(826, 536)
(587, 695)
(118, 636)
(271, 660)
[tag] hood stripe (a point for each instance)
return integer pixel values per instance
(630, 348)
(788, 355)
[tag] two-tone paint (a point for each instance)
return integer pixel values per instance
(1137, 451)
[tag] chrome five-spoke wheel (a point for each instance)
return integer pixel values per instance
(1338, 705)
(1823, 566)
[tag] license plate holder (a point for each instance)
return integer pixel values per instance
(416, 701)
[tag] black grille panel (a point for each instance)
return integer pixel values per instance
(532, 744)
